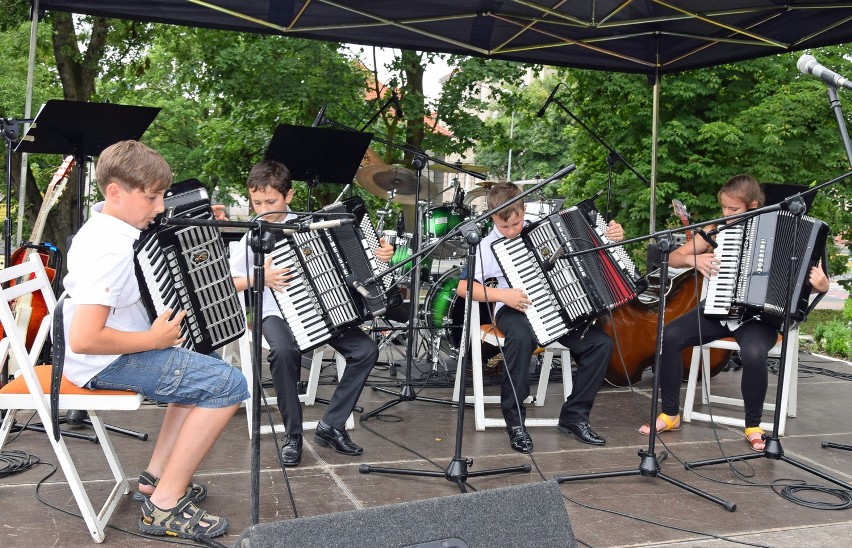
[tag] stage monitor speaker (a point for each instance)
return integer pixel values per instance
(526, 515)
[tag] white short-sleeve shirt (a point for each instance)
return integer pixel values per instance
(101, 271)
(239, 265)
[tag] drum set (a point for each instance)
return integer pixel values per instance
(441, 311)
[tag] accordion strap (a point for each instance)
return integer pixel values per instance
(58, 364)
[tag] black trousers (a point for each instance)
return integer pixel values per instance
(285, 364)
(591, 350)
(755, 340)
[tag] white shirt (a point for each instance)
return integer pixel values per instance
(486, 266)
(101, 271)
(239, 269)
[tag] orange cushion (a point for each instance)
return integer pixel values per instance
(491, 329)
(43, 372)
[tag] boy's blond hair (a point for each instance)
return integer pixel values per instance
(133, 166)
(502, 193)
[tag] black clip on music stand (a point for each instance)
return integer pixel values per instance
(307, 152)
(83, 129)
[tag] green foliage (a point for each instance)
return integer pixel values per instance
(834, 338)
(847, 310)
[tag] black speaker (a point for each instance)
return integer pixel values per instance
(527, 515)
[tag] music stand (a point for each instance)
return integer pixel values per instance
(305, 151)
(84, 129)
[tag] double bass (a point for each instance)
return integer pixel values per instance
(633, 327)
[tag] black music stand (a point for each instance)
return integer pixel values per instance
(307, 153)
(83, 129)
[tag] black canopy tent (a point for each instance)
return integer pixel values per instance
(615, 35)
(654, 37)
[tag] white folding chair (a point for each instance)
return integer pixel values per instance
(29, 391)
(789, 394)
(489, 334)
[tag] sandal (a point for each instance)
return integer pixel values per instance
(184, 521)
(195, 492)
(672, 424)
(753, 440)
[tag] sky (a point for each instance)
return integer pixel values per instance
(434, 72)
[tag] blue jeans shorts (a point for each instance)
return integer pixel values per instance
(175, 375)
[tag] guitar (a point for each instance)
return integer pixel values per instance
(29, 309)
(680, 211)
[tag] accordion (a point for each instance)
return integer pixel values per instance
(185, 268)
(567, 292)
(329, 292)
(754, 257)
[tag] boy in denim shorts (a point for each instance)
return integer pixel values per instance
(111, 344)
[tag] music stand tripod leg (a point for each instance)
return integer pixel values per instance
(406, 391)
(457, 470)
(649, 466)
(773, 449)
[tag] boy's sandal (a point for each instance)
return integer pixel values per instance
(756, 440)
(672, 424)
(185, 520)
(195, 492)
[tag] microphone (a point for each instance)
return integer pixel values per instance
(290, 228)
(707, 238)
(400, 224)
(809, 65)
(397, 105)
(320, 119)
(550, 262)
(358, 286)
(549, 100)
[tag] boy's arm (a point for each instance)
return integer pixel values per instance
(512, 297)
(89, 333)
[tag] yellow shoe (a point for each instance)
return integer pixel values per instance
(672, 424)
(755, 438)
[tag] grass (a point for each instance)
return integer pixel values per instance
(819, 316)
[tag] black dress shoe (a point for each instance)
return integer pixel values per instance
(519, 439)
(338, 440)
(583, 431)
(291, 453)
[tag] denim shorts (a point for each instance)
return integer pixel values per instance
(175, 375)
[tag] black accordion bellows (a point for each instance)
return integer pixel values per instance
(185, 268)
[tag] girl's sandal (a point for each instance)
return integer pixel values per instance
(755, 438)
(185, 520)
(195, 492)
(672, 424)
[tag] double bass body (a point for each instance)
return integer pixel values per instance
(633, 328)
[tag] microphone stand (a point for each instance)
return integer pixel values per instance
(457, 470)
(406, 391)
(834, 102)
(262, 242)
(773, 449)
(649, 465)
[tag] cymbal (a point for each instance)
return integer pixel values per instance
(474, 194)
(379, 179)
(486, 184)
(458, 167)
(371, 157)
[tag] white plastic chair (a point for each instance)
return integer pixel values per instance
(489, 334)
(29, 391)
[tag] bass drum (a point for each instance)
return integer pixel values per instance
(445, 313)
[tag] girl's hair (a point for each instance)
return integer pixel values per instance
(270, 173)
(743, 187)
(133, 166)
(502, 193)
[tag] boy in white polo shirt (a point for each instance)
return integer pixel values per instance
(111, 344)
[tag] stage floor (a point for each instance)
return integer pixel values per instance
(618, 511)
